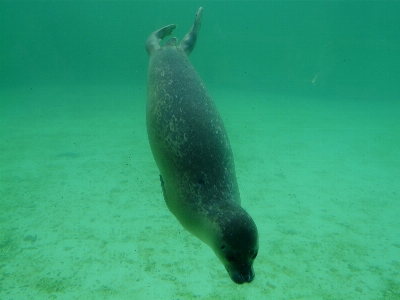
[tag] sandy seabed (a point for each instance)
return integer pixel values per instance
(82, 214)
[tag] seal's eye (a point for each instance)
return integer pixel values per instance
(231, 258)
(222, 247)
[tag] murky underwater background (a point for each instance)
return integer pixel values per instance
(309, 93)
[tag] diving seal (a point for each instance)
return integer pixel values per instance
(193, 154)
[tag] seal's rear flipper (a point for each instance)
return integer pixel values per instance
(153, 41)
(189, 41)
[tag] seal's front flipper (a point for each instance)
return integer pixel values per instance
(163, 190)
(189, 41)
(153, 41)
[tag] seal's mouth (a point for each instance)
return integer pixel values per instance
(240, 278)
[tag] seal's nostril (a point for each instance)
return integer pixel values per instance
(250, 278)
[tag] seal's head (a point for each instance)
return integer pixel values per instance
(237, 246)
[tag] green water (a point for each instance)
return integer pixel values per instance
(270, 46)
(309, 93)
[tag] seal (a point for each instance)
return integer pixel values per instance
(191, 148)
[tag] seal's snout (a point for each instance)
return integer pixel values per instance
(241, 278)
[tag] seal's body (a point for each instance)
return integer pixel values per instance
(192, 151)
